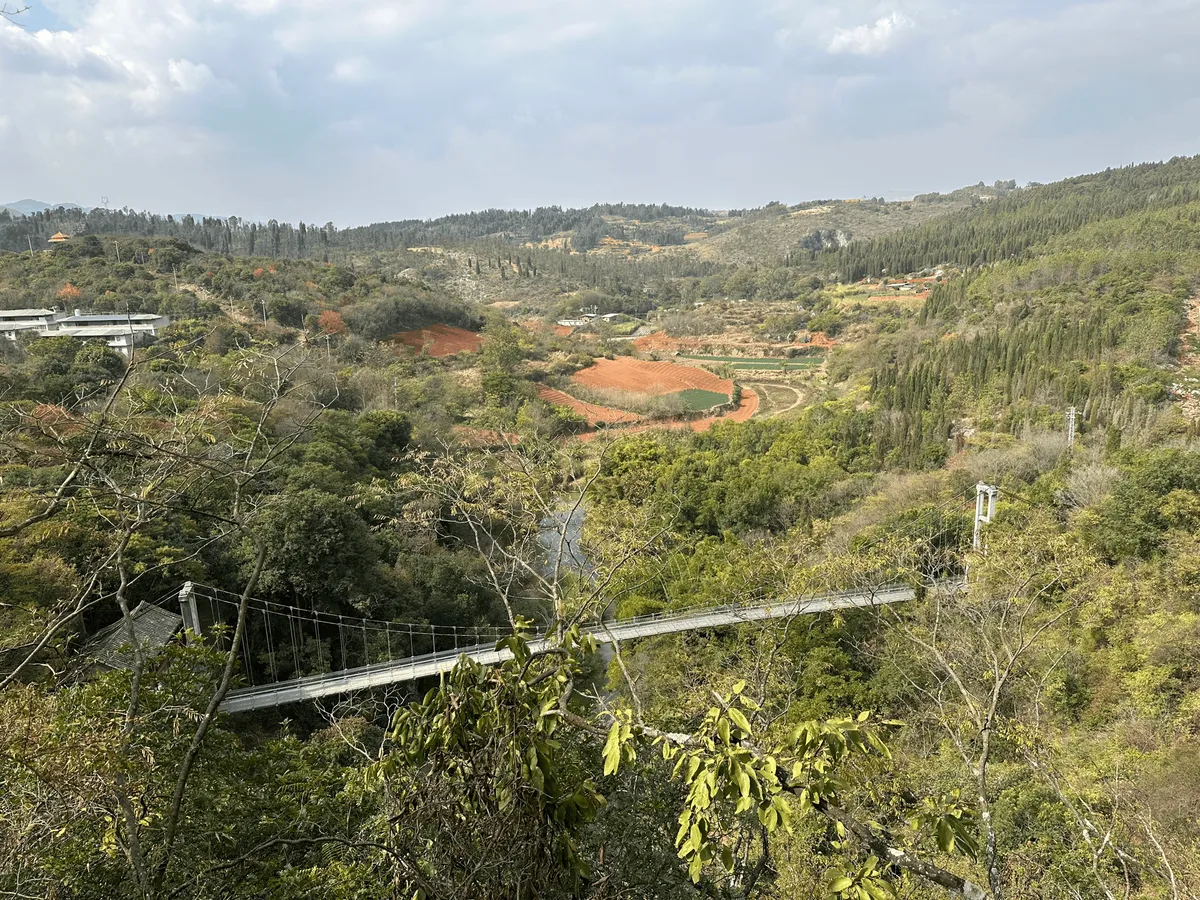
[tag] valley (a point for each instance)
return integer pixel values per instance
(241, 549)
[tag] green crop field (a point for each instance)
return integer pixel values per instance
(696, 400)
(756, 363)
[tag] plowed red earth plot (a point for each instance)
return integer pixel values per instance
(746, 408)
(595, 415)
(641, 376)
(440, 340)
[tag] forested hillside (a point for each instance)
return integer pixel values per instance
(1026, 726)
(658, 224)
(771, 233)
(1008, 227)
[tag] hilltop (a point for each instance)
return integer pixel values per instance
(768, 234)
(28, 207)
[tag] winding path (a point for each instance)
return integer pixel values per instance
(761, 389)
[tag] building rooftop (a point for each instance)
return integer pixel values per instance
(24, 313)
(100, 318)
(153, 628)
(100, 330)
(59, 238)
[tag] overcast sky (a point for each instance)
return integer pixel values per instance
(356, 111)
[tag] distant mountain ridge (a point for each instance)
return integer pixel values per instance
(26, 207)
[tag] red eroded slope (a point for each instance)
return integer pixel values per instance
(442, 340)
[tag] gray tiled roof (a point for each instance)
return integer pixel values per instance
(153, 627)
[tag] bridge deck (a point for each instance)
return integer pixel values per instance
(313, 687)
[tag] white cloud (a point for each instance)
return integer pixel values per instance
(499, 102)
(351, 71)
(870, 40)
(189, 77)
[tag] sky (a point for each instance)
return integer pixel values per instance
(356, 111)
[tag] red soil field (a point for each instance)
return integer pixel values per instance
(746, 408)
(923, 295)
(539, 325)
(446, 339)
(590, 411)
(663, 342)
(640, 376)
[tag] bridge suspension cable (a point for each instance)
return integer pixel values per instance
(281, 642)
(290, 653)
(431, 664)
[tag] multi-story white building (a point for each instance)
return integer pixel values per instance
(111, 320)
(121, 331)
(13, 321)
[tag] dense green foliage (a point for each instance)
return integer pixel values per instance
(1008, 227)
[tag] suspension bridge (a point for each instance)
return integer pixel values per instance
(291, 655)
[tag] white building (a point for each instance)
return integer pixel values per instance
(13, 321)
(111, 320)
(121, 331)
(122, 338)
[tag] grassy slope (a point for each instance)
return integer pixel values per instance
(766, 239)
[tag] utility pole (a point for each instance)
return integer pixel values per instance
(30, 239)
(118, 246)
(264, 309)
(1070, 427)
(985, 510)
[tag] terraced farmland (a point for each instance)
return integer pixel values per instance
(638, 376)
(697, 400)
(760, 364)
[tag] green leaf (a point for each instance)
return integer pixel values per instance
(612, 750)
(723, 731)
(840, 884)
(739, 719)
(945, 836)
